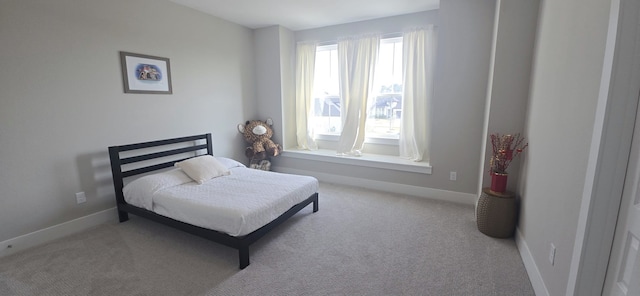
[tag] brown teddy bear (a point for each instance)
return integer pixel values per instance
(258, 133)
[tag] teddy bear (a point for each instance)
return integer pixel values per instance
(258, 133)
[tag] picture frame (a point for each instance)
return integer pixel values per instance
(145, 74)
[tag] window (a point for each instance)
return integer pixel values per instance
(384, 112)
(325, 118)
(384, 106)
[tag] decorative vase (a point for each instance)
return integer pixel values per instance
(499, 182)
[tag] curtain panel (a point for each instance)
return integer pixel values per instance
(418, 57)
(305, 66)
(356, 64)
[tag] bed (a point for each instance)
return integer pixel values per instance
(234, 209)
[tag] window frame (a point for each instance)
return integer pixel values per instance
(334, 137)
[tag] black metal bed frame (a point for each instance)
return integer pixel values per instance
(241, 243)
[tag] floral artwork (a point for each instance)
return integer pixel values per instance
(148, 72)
(505, 149)
(145, 74)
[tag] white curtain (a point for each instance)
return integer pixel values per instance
(418, 58)
(356, 64)
(305, 66)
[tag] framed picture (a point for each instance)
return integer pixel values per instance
(145, 74)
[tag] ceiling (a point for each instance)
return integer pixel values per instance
(305, 14)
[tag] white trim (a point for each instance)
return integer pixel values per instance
(424, 192)
(539, 288)
(591, 179)
(489, 95)
(390, 141)
(327, 137)
(366, 160)
(48, 234)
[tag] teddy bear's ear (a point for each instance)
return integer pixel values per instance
(269, 121)
(241, 128)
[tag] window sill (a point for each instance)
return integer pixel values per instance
(391, 141)
(366, 160)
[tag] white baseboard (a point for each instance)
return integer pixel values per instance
(530, 265)
(48, 234)
(445, 195)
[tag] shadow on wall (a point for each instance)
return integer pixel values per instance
(94, 170)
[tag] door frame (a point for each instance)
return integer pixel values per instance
(609, 153)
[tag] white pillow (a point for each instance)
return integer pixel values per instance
(203, 168)
(138, 191)
(230, 163)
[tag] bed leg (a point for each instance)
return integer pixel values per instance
(123, 216)
(244, 257)
(315, 204)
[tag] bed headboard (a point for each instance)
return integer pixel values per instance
(118, 161)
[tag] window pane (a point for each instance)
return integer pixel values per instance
(384, 112)
(326, 105)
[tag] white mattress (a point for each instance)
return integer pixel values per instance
(236, 204)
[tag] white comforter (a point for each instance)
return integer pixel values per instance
(236, 204)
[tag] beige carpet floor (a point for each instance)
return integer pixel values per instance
(361, 242)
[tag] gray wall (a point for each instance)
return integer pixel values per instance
(387, 25)
(275, 78)
(464, 45)
(288, 76)
(464, 51)
(268, 81)
(62, 102)
(566, 76)
(509, 78)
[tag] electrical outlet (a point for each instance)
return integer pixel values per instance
(81, 198)
(453, 176)
(552, 254)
